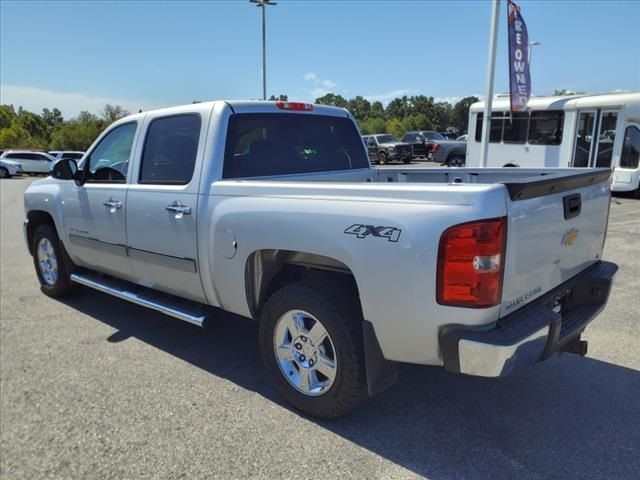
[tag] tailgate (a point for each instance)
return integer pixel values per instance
(556, 229)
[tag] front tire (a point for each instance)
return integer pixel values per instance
(382, 158)
(311, 346)
(49, 263)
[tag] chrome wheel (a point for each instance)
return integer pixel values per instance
(305, 353)
(47, 261)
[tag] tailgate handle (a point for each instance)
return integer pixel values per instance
(572, 205)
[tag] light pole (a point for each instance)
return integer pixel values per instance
(263, 5)
(531, 44)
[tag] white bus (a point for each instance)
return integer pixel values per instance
(570, 131)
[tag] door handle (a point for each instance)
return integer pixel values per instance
(178, 208)
(113, 205)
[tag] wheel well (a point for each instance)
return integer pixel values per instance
(37, 218)
(510, 165)
(268, 270)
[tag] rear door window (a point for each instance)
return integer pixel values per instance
(281, 144)
(170, 149)
(606, 137)
(584, 139)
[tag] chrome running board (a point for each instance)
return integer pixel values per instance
(184, 310)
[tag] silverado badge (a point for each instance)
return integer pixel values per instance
(569, 237)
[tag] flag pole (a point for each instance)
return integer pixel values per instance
(491, 67)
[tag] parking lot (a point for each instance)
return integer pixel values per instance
(94, 387)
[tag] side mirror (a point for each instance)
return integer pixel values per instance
(65, 169)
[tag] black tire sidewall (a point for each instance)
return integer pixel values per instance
(382, 157)
(4, 173)
(348, 386)
(63, 284)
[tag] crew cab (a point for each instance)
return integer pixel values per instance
(271, 210)
(422, 141)
(385, 148)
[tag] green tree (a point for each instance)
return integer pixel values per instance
(111, 113)
(14, 136)
(460, 114)
(372, 125)
(332, 99)
(77, 134)
(399, 108)
(377, 109)
(395, 127)
(7, 115)
(359, 107)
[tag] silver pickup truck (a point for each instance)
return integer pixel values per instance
(271, 210)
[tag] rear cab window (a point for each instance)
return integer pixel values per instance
(266, 144)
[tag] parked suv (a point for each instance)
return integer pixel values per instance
(31, 162)
(58, 154)
(385, 148)
(9, 168)
(421, 141)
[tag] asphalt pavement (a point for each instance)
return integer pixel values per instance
(96, 388)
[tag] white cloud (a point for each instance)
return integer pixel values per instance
(320, 87)
(385, 98)
(70, 104)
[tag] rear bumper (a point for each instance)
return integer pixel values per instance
(532, 333)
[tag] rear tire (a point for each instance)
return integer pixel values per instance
(456, 161)
(49, 261)
(406, 161)
(4, 173)
(340, 354)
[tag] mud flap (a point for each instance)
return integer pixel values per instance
(381, 373)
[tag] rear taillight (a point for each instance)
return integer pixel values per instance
(471, 263)
(305, 107)
(435, 147)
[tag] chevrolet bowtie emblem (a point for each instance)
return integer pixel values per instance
(570, 237)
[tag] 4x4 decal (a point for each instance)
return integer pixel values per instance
(361, 231)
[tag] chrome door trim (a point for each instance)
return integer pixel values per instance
(94, 243)
(176, 263)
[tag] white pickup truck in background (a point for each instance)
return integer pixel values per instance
(271, 210)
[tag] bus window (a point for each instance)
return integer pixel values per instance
(606, 138)
(495, 132)
(584, 139)
(545, 127)
(516, 125)
(631, 148)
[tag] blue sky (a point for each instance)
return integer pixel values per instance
(79, 55)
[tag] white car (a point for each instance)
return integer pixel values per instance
(58, 154)
(31, 162)
(271, 210)
(9, 168)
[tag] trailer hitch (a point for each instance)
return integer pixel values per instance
(577, 346)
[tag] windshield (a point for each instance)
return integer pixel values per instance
(432, 136)
(387, 139)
